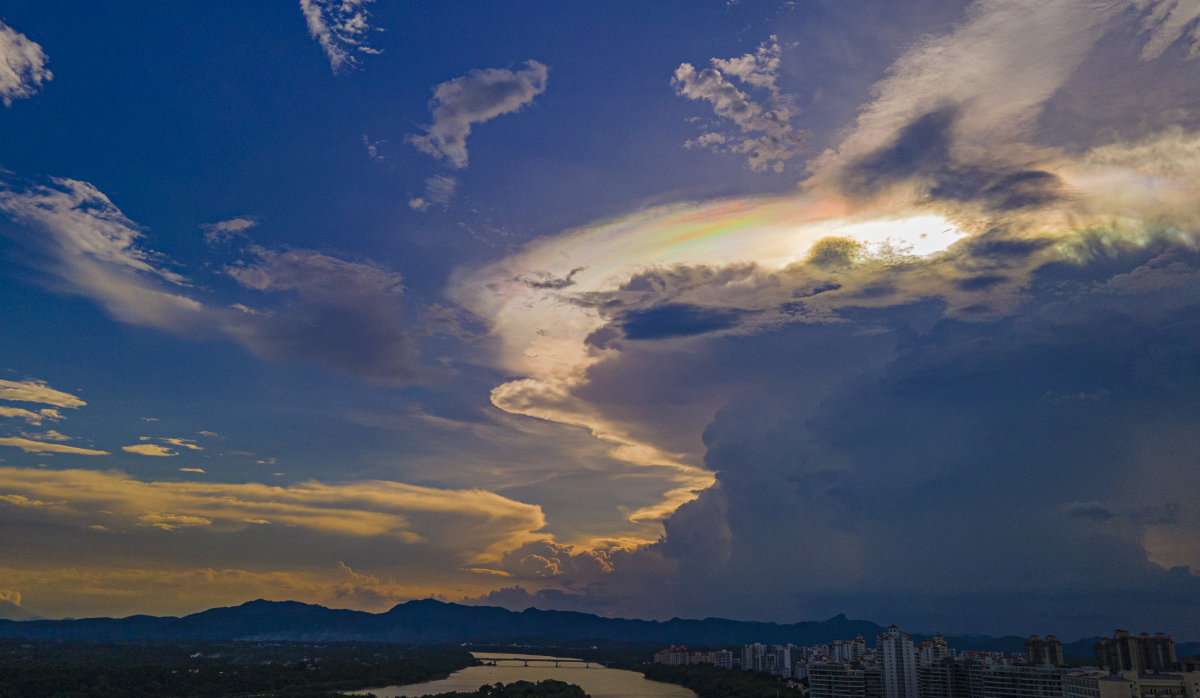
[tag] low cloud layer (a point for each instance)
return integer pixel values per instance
(473, 99)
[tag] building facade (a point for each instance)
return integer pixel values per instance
(1047, 651)
(1142, 654)
(895, 652)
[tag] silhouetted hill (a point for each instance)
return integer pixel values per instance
(428, 621)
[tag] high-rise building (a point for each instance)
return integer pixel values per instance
(950, 678)
(753, 657)
(1097, 685)
(844, 680)
(1039, 651)
(932, 650)
(836, 680)
(723, 659)
(895, 651)
(1126, 652)
(1016, 681)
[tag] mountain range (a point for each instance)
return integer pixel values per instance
(432, 621)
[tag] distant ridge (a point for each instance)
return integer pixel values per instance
(428, 621)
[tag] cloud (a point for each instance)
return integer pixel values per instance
(150, 450)
(183, 443)
(373, 149)
(1087, 510)
(48, 435)
(478, 525)
(216, 233)
(1167, 21)
(952, 328)
(30, 446)
(31, 417)
(473, 99)
(38, 391)
(347, 315)
(22, 66)
(439, 189)
(340, 27)
(773, 119)
(343, 315)
(195, 470)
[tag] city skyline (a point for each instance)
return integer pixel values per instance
(745, 309)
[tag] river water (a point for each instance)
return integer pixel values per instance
(597, 681)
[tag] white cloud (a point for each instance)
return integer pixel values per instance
(30, 446)
(38, 391)
(779, 141)
(473, 99)
(191, 470)
(150, 450)
(22, 65)
(30, 417)
(340, 27)
(215, 233)
(373, 149)
(439, 189)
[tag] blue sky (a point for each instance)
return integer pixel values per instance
(752, 309)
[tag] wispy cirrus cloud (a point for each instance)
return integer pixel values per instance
(31, 446)
(150, 450)
(329, 311)
(473, 99)
(439, 190)
(341, 28)
(22, 66)
(224, 231)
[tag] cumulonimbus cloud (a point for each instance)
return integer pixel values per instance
(939, 209)
(22, 66)
(473, 99)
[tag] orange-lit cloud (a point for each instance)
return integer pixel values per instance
(480, 525)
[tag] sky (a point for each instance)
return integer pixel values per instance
(750, 309)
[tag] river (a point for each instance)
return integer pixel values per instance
(597, 681)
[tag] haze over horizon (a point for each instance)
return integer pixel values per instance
(757, 310)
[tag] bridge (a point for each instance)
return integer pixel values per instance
(587, 663)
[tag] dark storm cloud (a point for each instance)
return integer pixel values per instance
(922, 153)
(968, 475)
(676, 320)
